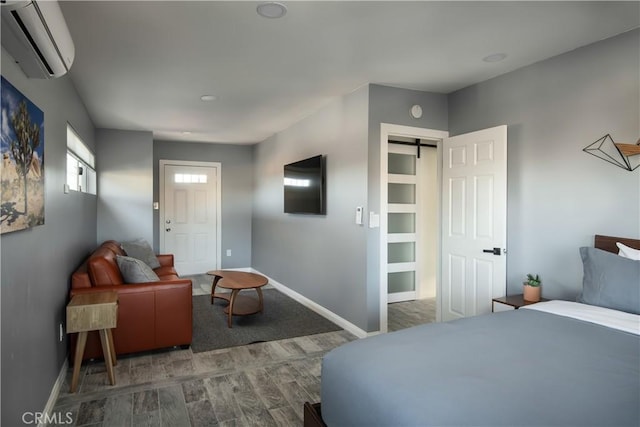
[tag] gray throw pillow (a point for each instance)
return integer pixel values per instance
(141, 250)
(610, 281)
(135, 271)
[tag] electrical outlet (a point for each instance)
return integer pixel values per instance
(61, 332)
(228, 252)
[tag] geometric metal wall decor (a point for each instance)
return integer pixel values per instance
(625, 156)
(631, 153)
(22, 168)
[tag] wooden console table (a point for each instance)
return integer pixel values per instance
(90, 312)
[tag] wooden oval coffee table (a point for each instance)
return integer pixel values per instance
(239, 305)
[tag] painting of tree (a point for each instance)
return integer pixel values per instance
(22, 168)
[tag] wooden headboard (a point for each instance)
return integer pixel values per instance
(608, 243)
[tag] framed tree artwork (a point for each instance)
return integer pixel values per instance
(22, 169)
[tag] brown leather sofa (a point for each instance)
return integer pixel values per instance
(151, 315)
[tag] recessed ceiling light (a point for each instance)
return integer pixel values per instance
(271, 9)
(207, 98)
(495, 57)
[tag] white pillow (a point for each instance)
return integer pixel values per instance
(627, 252)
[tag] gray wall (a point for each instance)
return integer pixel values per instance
(125, 185)
(37, 263)
(237, 191)
(391, 105)
(322, 257)
(329, 259)
(559, 196)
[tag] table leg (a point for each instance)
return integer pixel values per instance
(216, 279)
(112, 347)
(231, 301)
(106, 352)
(77, 359)
(260, 300)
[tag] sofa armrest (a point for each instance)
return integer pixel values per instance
(150, 316)
(166, 260)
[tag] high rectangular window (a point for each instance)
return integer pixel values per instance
(81, 173)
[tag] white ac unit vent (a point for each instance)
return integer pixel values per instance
(37, 36)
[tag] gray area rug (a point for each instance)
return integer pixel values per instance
(282, 318)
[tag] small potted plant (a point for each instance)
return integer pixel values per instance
(532, 288)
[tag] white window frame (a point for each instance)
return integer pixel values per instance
(80, 157)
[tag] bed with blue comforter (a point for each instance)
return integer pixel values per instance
(556, 363)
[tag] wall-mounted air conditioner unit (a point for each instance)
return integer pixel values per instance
(37, 36)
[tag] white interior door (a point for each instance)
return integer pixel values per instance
(474, 218)
(412, 208)
(190, 220)
(402, 224)
(393, 131)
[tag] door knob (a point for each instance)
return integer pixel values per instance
(495, 251)
(168, 221)
(167, 229)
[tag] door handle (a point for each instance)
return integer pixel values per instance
(167, 229)
(168, 221)
(495, 251)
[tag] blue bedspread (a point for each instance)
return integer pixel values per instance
(516, 368)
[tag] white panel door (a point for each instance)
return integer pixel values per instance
(474, 222)
(189, 220)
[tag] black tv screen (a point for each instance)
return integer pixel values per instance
(304, 186)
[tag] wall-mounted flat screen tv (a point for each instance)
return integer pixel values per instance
(304, 186)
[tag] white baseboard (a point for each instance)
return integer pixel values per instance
(55, 391)
(245, 269)
(322, 311)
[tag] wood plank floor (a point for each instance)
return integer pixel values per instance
(262, 384)
(403, 315)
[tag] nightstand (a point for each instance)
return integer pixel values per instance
(511, 302)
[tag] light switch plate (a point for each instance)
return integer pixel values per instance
(374, 220)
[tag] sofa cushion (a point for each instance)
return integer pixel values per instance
(103, 269)
(140, 249)
(113, 246)
(165, 271)
(80, 278)
(134, 270)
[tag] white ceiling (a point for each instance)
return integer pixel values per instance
(144, 65)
